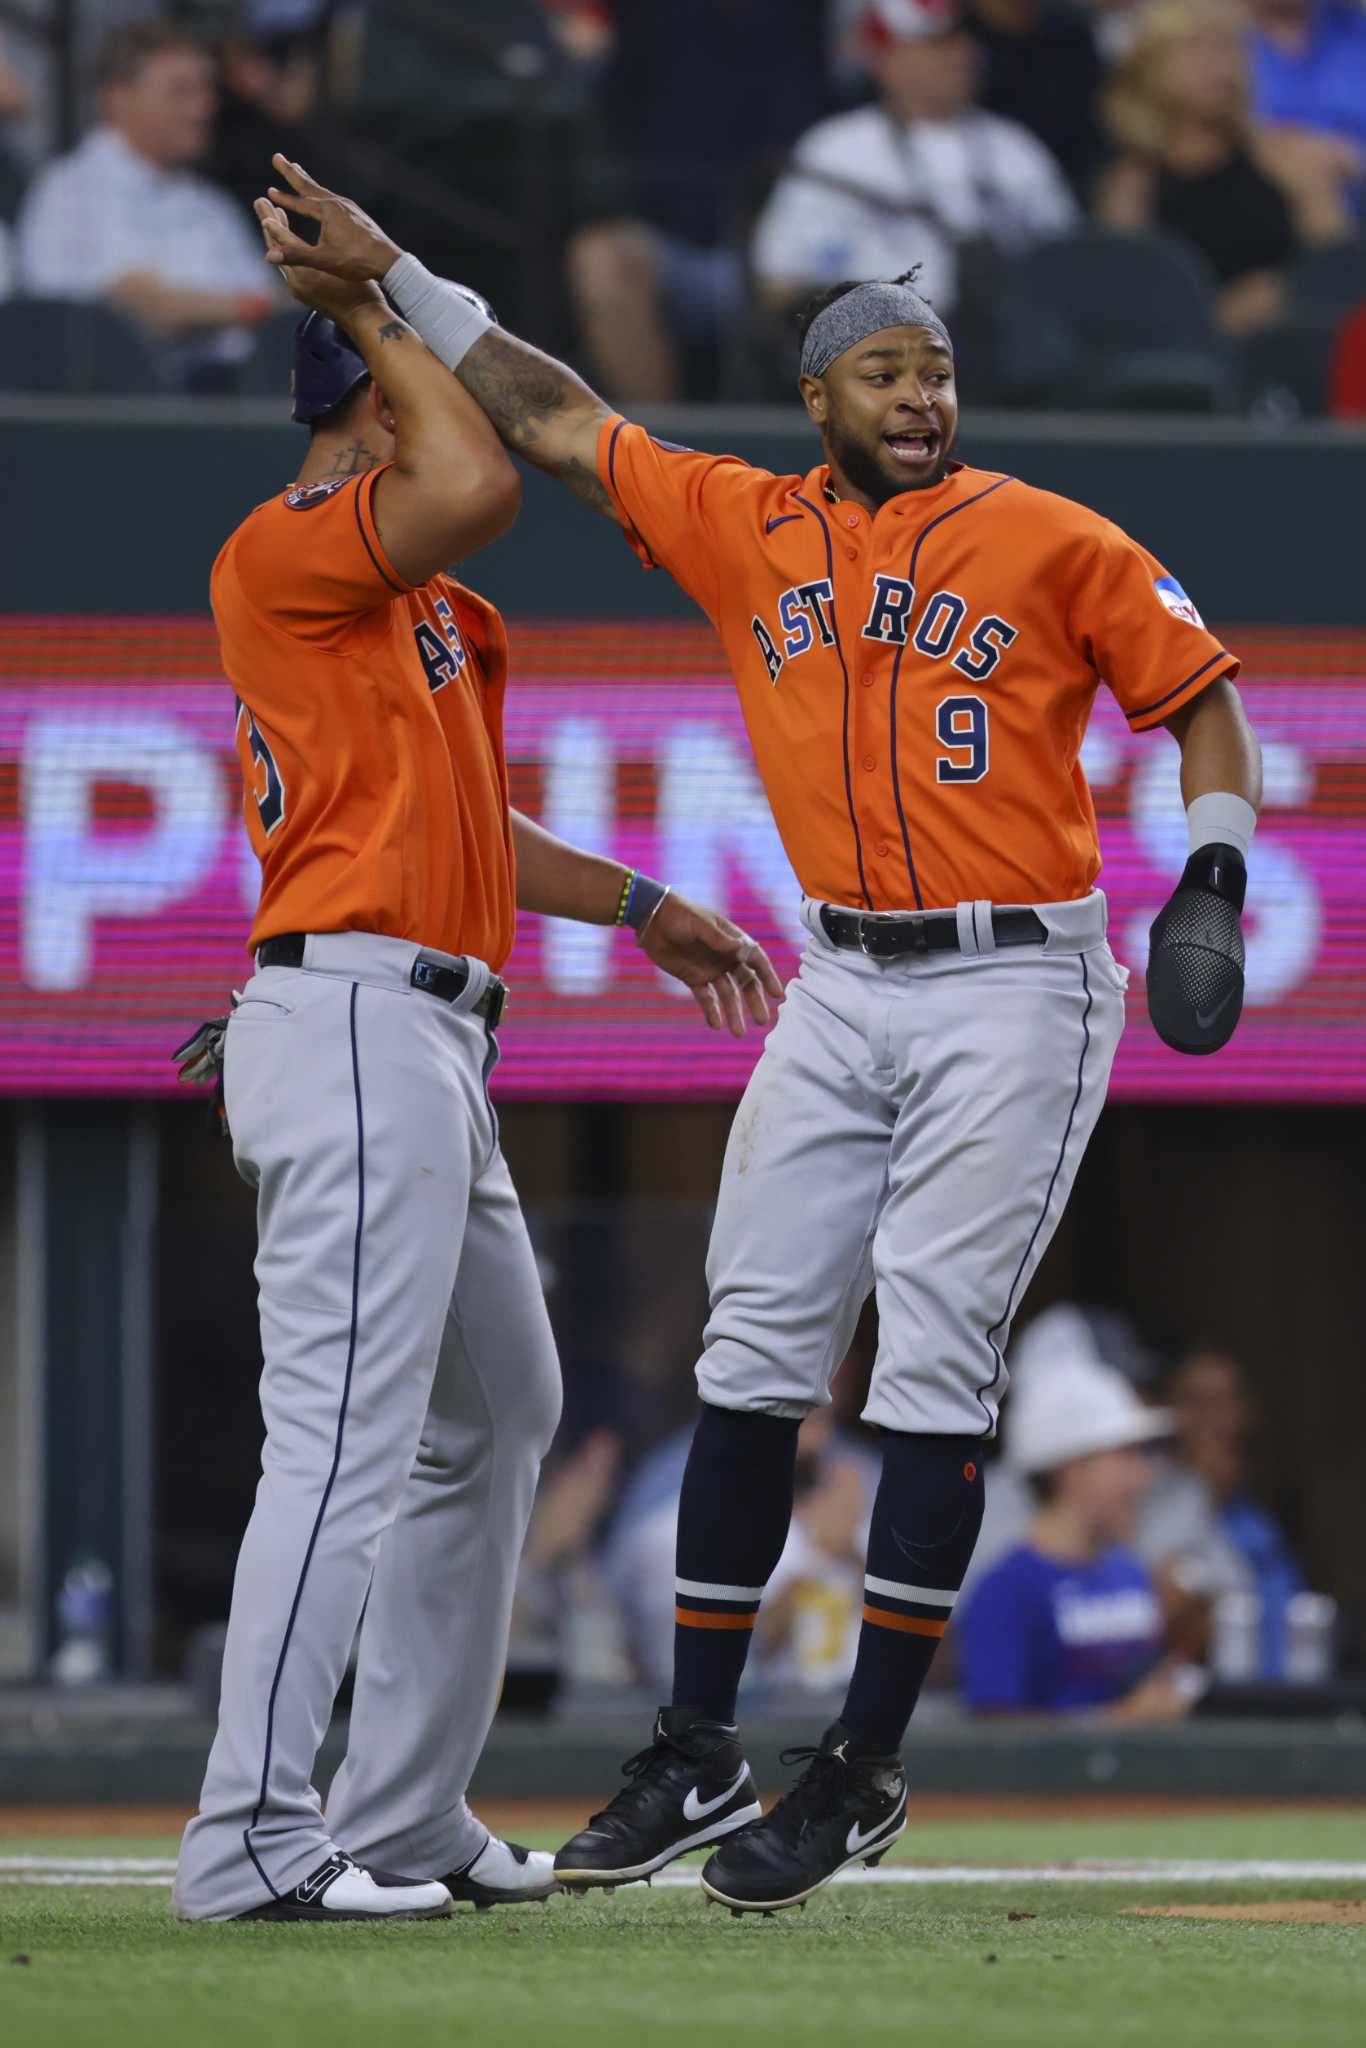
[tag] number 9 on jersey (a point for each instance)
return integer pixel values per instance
(962, 727)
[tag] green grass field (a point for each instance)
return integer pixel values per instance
(929, 1964)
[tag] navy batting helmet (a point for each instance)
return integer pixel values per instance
(326, 367)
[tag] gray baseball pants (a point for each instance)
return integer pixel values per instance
(410, 1390)
(913, 1126)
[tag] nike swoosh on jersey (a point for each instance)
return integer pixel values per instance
(859, 1838)
(698, 1809)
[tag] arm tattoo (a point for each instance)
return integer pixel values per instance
(392, 330)
(522, 391)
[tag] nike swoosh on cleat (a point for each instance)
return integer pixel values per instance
(698, 1809)
(859, 1838)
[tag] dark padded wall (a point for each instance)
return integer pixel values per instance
(113, 512)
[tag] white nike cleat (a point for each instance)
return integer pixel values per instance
(340, 1890)
(503, 1874)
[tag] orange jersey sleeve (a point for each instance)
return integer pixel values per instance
(678, 505)
(321, 563)
(1144, 637)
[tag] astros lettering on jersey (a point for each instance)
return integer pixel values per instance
(917, 682)
(376, 787)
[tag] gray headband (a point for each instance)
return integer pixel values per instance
(865, 310)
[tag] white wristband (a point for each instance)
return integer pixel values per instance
(449, 317)
(1221, 819)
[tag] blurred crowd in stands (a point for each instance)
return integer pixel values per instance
(1130, 203)
(1126, 1569)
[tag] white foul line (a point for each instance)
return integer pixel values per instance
(158, 1871)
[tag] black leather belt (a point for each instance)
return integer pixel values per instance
(433, 977)
(894, 934)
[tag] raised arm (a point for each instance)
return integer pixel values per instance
(450, 488)
(539, 407)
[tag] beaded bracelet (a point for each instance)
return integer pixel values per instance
(624, 900)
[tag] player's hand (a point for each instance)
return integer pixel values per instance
(338, 297)
(729, 974)
(349, 243)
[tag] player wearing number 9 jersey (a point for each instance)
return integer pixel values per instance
(917, 646)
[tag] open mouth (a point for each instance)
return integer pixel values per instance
(914, 445)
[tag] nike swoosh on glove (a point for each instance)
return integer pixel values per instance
(1195, 954)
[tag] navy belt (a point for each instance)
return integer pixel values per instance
(434, 977)
(895, 934)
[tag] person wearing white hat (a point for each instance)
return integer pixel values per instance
(1069, 1620)
(912, 178)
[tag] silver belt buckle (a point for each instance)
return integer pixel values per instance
(888, 917)
(877, 918)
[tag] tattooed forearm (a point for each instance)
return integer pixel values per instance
(393, 330)
(540, 409)
(583, 482)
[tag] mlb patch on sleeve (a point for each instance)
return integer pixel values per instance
(1176, 600)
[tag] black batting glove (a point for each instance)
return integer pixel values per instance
(1195, 954)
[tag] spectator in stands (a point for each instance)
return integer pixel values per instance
(270, 77)
(15, 105)
(1043, 68)
(1309, 76)
(1193, 162)
(574, 1492)
(692, 115)
(808, 1628)
(1070, 1621)
(912, 179)
(123, 218)
(1200, 1523)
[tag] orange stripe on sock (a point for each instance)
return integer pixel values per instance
(909, 1624)
(692, 1617)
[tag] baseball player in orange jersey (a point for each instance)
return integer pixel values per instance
(917, 646)
(410, 1385)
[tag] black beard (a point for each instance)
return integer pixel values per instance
(863, 470)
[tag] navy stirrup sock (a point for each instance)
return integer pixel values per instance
(925, 1522)
(733, 1520)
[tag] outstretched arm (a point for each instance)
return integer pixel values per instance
(539, 408)
(727, 973)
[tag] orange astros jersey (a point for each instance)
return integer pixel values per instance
(369, 728)
(917, 684)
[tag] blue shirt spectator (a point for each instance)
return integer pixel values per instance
(1069, 1620)
(1047, 1635)
(1309, 69)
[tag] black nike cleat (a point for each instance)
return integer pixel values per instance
(844, 1809)
(691, 1787)
(340, 1890)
